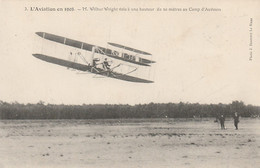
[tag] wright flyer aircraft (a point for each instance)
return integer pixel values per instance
(116, 61)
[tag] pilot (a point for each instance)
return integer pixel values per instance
(106, 65)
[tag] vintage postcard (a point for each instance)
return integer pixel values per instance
(129, 83)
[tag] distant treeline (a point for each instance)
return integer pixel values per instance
(106, 111)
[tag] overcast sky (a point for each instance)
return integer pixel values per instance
(202, 57)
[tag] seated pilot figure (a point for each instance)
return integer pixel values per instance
(106, 65)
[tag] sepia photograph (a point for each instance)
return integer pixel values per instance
(129, 84)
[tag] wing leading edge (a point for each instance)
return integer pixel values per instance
(88, 47)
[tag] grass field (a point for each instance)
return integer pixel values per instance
(133, 143)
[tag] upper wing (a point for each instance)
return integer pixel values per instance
(101, 50)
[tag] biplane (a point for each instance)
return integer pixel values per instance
(98, 61)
